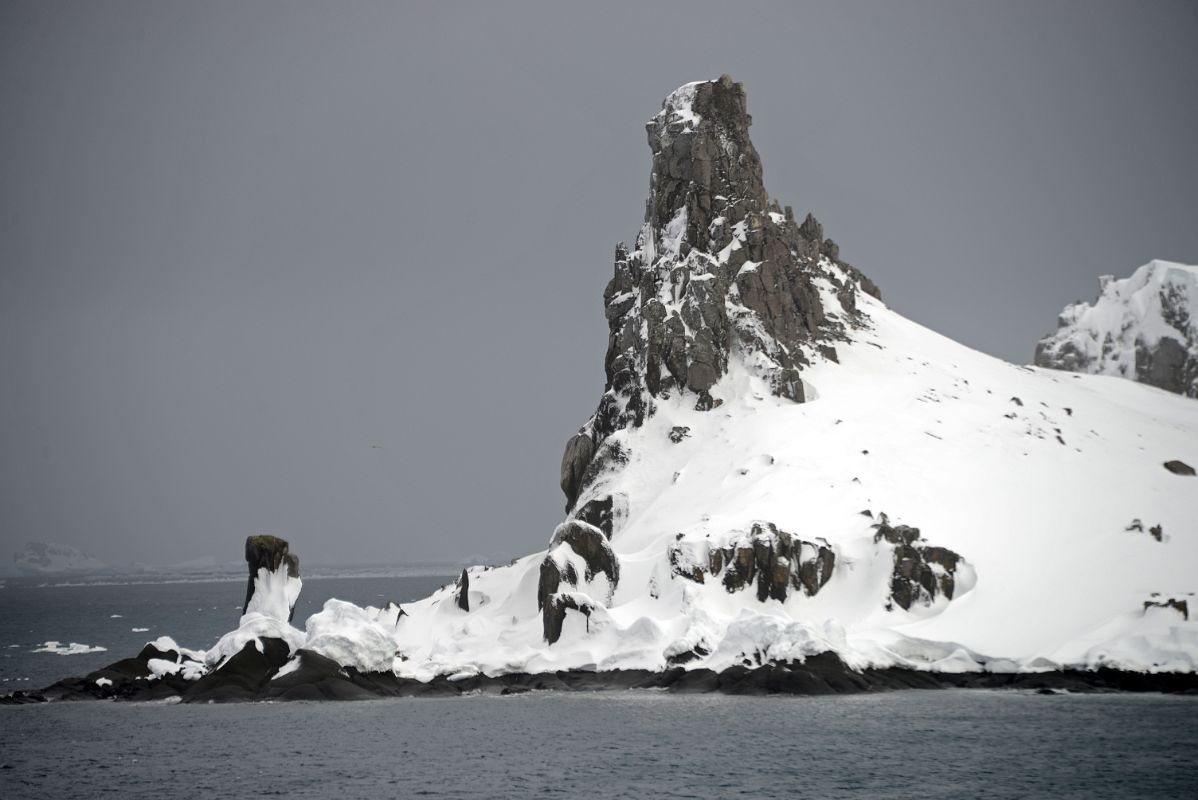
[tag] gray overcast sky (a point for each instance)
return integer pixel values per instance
(334, 270)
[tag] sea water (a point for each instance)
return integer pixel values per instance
(912, 744)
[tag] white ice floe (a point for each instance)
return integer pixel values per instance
(72, 649)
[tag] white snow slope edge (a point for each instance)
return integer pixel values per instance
(1032, 476)
(926, 430)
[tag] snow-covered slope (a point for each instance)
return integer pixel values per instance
(1143, 328)
(48, 558)
(1033, 477)
(780, 465)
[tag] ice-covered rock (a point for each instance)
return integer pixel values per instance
(274, 583)
(1143, 328)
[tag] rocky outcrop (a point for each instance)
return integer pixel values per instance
(922, 572)
(772, 560)
(1180, 606)
(1143, 328)
(718, 272)
(242, 676)
(1179, 467)
(274, 581)
(605, 513)
(553, 613)
(578, 554)
(462, 591)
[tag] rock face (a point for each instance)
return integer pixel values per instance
(578, 554)
(553, 613)
(921, 572)
(1179, 467)
(274, 582)
(462, 593)
(1143, 328)
(718, 273)
(771, 560)
(1180, 606)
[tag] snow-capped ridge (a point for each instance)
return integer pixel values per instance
(1144, 328)
(50, 558)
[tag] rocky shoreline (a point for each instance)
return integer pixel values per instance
(255, 675)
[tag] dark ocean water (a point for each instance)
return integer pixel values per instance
(936, 744)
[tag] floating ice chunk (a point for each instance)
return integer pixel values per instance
(73, 649)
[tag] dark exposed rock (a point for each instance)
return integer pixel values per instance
(1180, 606)
(605, 513)
(769, 558)
(579, 452)
(678, 433)
(320, 678)
(687, 656)
(1157, 532)
(585, 541)
(243, 675)
(921, 572)
(462, 594)
(717, 271)
(552, 577)
(590, 543)
(269, 553)
(1168, 366)
(553, 613)
(610, 456)
(1179, 467)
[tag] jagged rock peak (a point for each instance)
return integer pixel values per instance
(703, 161)
(719, 274)
(1144, 327)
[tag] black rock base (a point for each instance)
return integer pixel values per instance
(251, 676)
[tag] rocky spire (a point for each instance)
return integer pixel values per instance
(274, 582)
(703, 162)
(718, 272)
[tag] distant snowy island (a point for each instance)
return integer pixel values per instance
(787, 486)
(50, 558)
